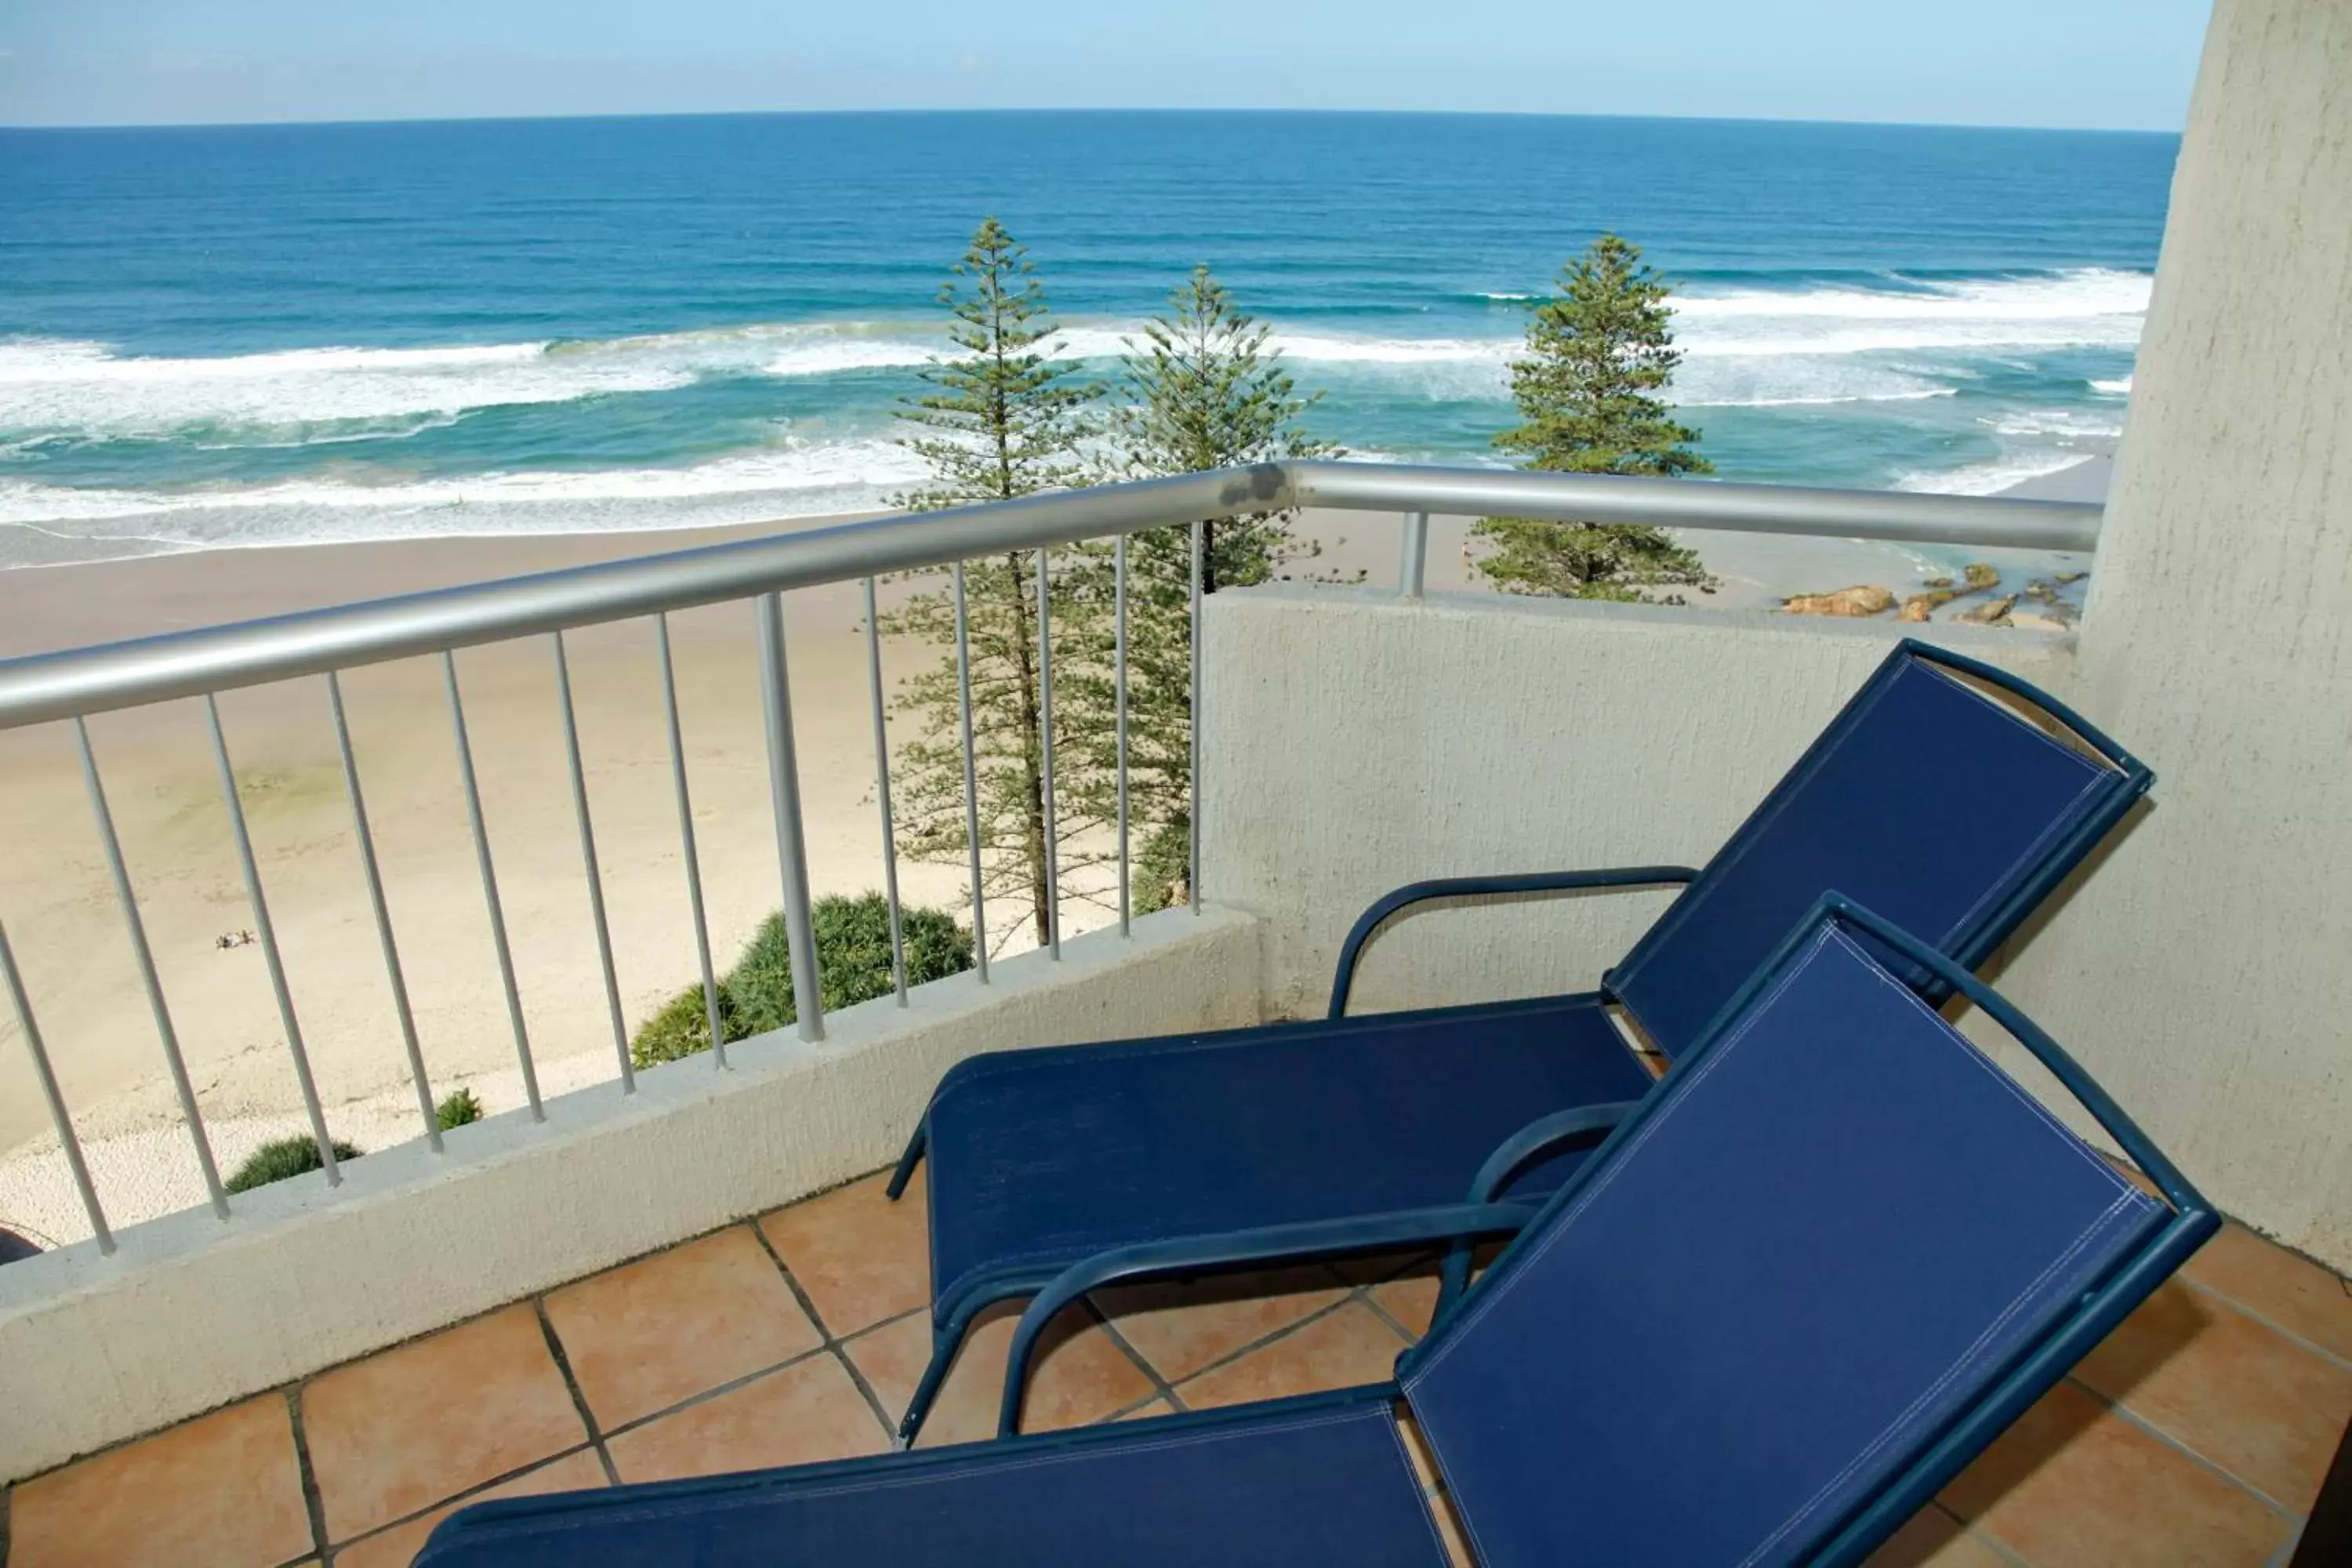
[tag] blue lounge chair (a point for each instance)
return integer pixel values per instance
(1947, 796)
(1822, 1265)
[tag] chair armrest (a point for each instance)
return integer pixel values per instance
(1511, 1156)
(1271, 1242)
(1458, 887)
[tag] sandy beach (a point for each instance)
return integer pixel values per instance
(67, 930)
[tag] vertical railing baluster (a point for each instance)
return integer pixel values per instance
(1412, 556)
(490, 884)
(1045, 739)
(882, 790)
(784, 796)
(271, 957)
(56, 1099)
(1119, 690)
(588, 859)
(970, 775)
(1193, 730)
(190, 1112)
(383, 915)
(686, 834)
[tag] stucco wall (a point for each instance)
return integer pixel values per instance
(190, 1313)
(1473, 733)
(2207, 976)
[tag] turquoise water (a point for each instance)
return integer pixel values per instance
(230, 336)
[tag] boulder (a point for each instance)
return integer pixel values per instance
(1992, 612)
(2027, 621)
(1979, 577)
(1857, 601)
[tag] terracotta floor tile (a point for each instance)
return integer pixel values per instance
(2268, 1280)
(1410, 1299)
(1180, 1329)
(1450, 1531)
(1372, 1267)
(807, 1411)
(2074, 1485)
(1079, 1376)
(669, 1327)
(415, 1426)
(860, 1257)
(1152, 1411)
(394, 1548)
(1344, 1350)
(223, 1489)
(1933, 1539)
(2255, 1403)
(1416, 1449)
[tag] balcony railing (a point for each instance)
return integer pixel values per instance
(71, 686)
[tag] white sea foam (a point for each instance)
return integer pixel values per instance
(785, 481)
(2092, 307)
(2064, 423)
(2120, 386)
(1992, 476)
(297, 396)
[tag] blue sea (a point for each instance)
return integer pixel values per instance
(233, 336)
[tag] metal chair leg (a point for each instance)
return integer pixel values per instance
(944, 1338)
(906, 1167)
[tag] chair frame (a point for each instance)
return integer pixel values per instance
(952, 1316)
(1836, 1543)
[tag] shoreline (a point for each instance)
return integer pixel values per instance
(62, 916)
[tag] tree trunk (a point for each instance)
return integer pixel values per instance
(1033, 749)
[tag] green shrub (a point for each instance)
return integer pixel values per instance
(853, 948)
(460, 1108)
(286, 1157)
(1164, 868)
(681, 1029)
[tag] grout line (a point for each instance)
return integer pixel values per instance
(313, 1504)
(1260, 1344)
(706, 1396)
(2322, 1352)
(1162, 1389)
(2284, 1556)
(476, 1491)
(572, 1385)
(2134, 1418)
(1364, 1294)
(826, 1336)
(1982, 1538)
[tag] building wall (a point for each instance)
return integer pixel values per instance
(2207, 976)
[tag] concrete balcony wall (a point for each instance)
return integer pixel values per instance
(2206, 975)
(192, 1313)
(1354, 742)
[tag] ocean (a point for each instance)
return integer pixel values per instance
(215, 337)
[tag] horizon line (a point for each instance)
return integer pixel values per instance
(879, 111)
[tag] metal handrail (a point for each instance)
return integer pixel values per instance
(189, 664)
(78, 682)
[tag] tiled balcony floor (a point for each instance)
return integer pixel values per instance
(2196, 1435)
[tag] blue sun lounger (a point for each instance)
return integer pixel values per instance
(1950, 796)
(1820, 1266)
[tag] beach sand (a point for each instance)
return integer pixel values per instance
(67, 930)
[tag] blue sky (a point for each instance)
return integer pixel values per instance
(2122, 64)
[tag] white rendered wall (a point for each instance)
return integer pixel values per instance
(2206, 977)
(1466, 734)
(190, 1314)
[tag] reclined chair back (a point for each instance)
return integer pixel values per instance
(1948, 796)
(1830, 1258)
